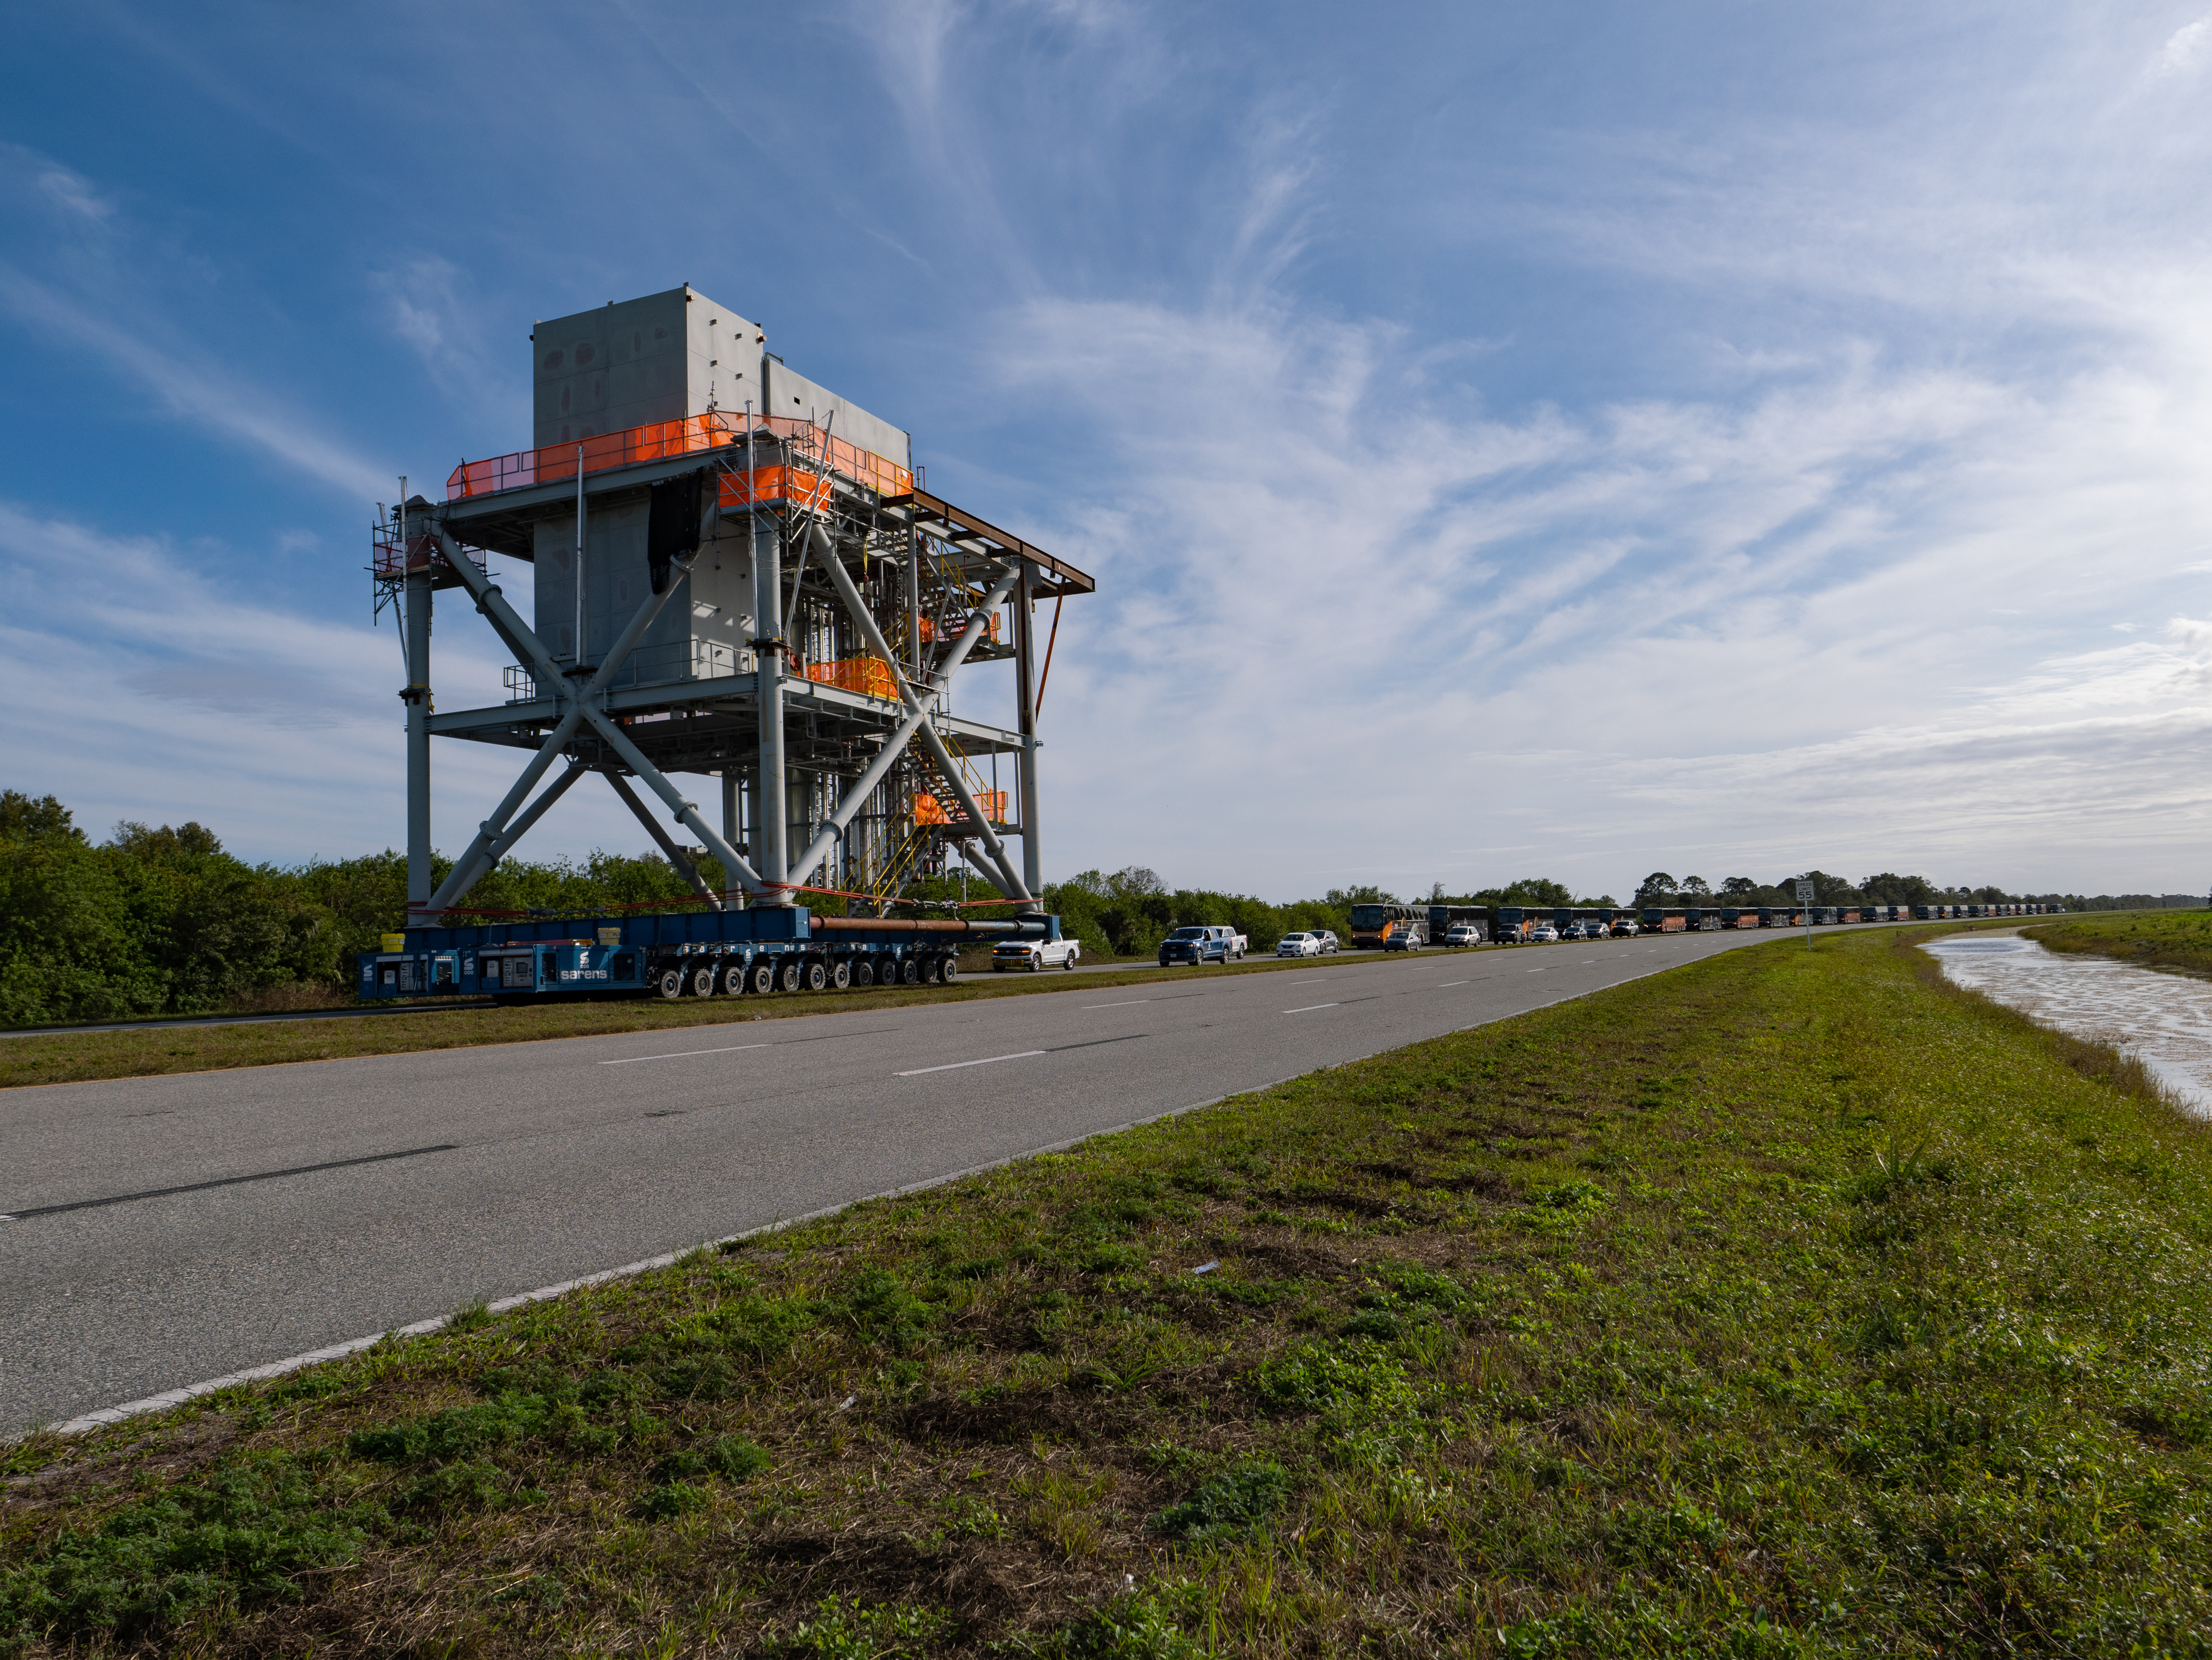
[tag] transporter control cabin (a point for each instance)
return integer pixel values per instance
(737, 575)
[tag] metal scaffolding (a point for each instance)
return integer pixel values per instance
(825, 722)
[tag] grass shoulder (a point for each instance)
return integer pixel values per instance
(1790, 1303)
(2151, 939)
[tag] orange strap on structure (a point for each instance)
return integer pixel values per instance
(1051, 641)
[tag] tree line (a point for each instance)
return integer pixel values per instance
(161, 920)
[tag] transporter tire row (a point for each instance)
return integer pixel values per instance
(800, 970)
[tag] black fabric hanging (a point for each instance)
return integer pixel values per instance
(673, 529)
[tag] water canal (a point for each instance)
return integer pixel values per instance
(2163, 1020)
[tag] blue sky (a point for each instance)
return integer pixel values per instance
(1510, 439)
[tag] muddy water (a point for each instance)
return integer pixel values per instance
(2164, 1020)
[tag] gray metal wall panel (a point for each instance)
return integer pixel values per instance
(638, 361)
(792, 394)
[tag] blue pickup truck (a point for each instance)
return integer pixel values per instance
(1201, 945)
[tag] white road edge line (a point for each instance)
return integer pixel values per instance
(1132, 1003)
(954, 1066)
(1309, 1008)
(684, 1054)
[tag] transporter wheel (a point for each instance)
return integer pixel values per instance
(951, 970)
(864, 972)
(733, 980)
(699, 983)
(761, 977)
(910, 971)
(815, 975)
(786, 978)
(841, 974)
(670, 983)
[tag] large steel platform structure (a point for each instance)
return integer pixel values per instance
(760, 590)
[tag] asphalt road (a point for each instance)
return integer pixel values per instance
(330, 1200)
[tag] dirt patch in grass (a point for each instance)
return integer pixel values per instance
(1785, 1304)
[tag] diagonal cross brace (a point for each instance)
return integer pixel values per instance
(916, 720)
(497, 835)
(686, 812)
(582, 707)
(1007, 882)
(472, 865)
(676, 856)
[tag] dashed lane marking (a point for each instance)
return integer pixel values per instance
(686, 1054)
(954, 1066)
(1309, 1008)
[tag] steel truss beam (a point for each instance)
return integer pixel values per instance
(583, 706)
(918, 716)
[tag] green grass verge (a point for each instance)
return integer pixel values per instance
(2154, 939)
(1789, 1303)
(65, 1057)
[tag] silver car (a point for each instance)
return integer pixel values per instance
(1298, 945)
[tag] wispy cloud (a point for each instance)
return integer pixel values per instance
(144, 683)
(192, 388)
(2186, 48)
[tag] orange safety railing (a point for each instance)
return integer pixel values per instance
(661, 439)
(870, 676)
(957, 628)
(926, 809)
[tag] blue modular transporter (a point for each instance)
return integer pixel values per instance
(693, 954)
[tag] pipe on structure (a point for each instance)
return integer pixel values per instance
(914, 925)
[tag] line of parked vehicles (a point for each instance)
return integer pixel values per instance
(1414, 928)
(1410, 927)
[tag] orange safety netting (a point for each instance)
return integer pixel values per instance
(870, 676)
(659, 440)
(926, 809)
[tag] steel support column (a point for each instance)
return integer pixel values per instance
(1025, 681)
(770, 832)
(417, 697)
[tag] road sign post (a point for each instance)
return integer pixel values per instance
(1805, 904)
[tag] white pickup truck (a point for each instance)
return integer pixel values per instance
(1034, 954)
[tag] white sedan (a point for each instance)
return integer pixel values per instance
(1298, 945)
